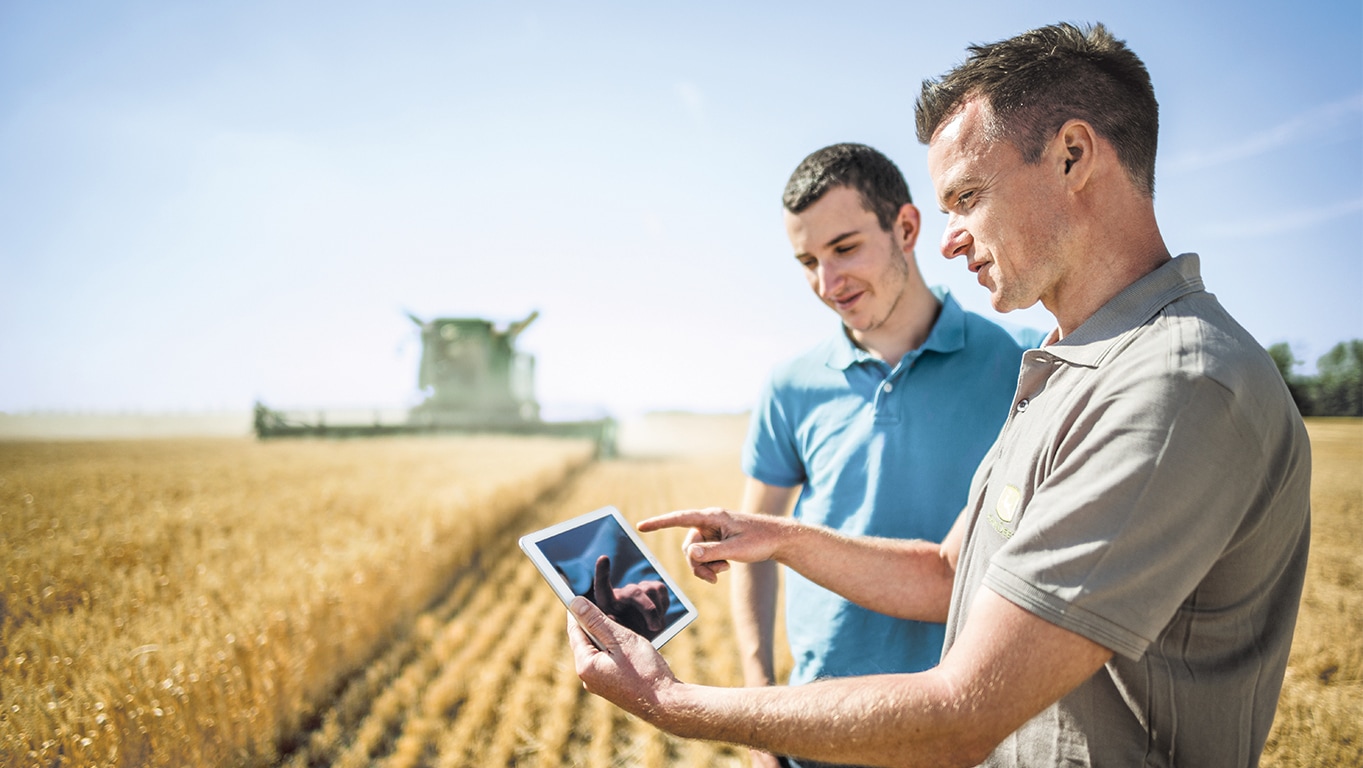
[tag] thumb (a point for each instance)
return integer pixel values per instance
(597, 625)
(711, 551)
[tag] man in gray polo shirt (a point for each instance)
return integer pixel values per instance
(1122, 586)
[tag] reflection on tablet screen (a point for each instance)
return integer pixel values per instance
(600, 562)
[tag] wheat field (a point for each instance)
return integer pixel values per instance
(188, 602)
(1320, 712)
(363, 603)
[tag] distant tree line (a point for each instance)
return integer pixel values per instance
(1337, 387)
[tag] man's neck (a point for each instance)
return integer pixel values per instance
(908, 326)
(1119, 254)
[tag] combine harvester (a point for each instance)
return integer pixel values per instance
(476, 382)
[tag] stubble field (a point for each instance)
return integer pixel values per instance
(317, 603)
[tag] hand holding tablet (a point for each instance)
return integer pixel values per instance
(599, 556)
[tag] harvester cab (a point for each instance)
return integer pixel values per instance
(471, 372)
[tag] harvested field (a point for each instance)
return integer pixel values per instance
(1320, 712)
(486, 677)
(188, 602)
(227, 602)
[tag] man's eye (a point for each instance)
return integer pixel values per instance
(964, 200)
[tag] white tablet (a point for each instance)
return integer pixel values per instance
(601, 557)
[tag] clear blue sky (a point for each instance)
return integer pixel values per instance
(202, 204)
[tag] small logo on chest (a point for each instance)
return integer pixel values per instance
(1007, 505)
(1006, 510)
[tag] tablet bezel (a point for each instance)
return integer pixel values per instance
(529, 544)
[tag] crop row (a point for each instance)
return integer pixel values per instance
(226, 602)
(485, 677)
(192, 601)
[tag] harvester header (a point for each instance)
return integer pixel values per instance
(473, 379)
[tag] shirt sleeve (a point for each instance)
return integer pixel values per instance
(770, 453)
(1135, 504)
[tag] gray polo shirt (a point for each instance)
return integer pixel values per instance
(1151, 492)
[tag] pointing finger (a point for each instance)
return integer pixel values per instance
(601, 585)
(685, 518)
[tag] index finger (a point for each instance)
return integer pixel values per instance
(683, 518)
(601, 585)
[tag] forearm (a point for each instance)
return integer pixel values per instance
(887, 720)
(1005, 666)
(753, 588)
(902, 578)
(905, 579)
(753, 600)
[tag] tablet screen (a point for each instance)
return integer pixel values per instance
(601, 557)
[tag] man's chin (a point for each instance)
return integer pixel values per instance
(857, 324)
(1004, 304)
(1000, 301)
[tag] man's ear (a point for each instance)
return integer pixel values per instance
(906, 227)
(1075, 144)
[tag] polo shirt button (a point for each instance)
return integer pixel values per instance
(888, 387)
(1022, 405)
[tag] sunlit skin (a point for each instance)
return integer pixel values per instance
(1004, 215)
(948, 715)
(1069, 230)
(865, 274)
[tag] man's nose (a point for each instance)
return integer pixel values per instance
(829, 279)
(955, 239)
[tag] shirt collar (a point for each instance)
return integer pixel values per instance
(947, 335)
(1132, 308)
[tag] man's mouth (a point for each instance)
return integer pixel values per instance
(981, 270)
(846, 302)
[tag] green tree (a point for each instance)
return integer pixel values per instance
(1301, 387)
(1283, 358)
(1339, 380)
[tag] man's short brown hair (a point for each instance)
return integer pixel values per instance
(1037, 81)
(873, 175)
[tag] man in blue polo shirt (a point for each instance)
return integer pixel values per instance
(877, 430)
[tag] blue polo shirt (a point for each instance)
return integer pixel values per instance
(879, 451)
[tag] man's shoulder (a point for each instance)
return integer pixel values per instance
(1195, 334)
(1193, 348)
